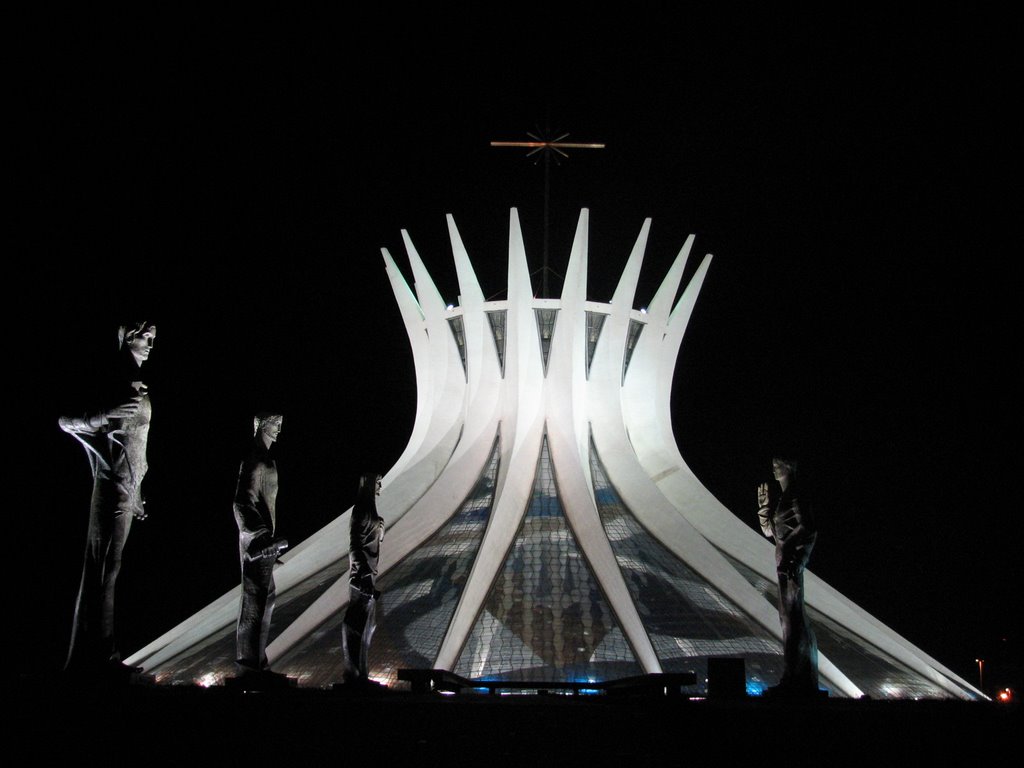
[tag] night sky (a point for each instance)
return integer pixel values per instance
(234, 184)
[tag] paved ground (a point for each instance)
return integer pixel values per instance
(145, 726)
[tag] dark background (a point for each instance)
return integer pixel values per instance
(234, 180)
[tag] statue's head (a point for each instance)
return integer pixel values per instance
(370, 482)
(783, 467)
(268, 424)
(137, 338)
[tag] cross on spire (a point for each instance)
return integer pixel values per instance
(546, 147)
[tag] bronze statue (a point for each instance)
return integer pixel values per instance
(258, 550)
(365, 535)
(789, 521)
(115, 439)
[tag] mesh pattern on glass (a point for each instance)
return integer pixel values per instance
(686, 618)
(418, 599)
(872, 670)
(211, 660)
(545, 618)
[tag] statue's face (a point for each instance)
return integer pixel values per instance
(781, 469)
(141, 344)
(272, 428)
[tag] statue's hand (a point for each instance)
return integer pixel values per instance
(125, 410)
(138, 511)
(72, 425)
(276, 549)
(762, 495)
(272, 551)
(88, 424)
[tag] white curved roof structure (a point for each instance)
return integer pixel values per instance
(542, 524)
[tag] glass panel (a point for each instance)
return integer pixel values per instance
(872, 670)
(545, 618)
(316, 660)
(459, 332)
(545, 332)
(686, 618)
(205, 663)
(418, 599)
(595, 322)
(209, 661)
(635, 327)
(497, 320)
(422, 592)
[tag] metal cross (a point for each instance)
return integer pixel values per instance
(547, 147)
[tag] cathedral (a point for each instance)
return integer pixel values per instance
(542, 524)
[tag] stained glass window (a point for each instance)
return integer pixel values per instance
(687, 619)
(418, 598)
(421, 593)
(213, 659)
(872, 670)
(545, 617)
